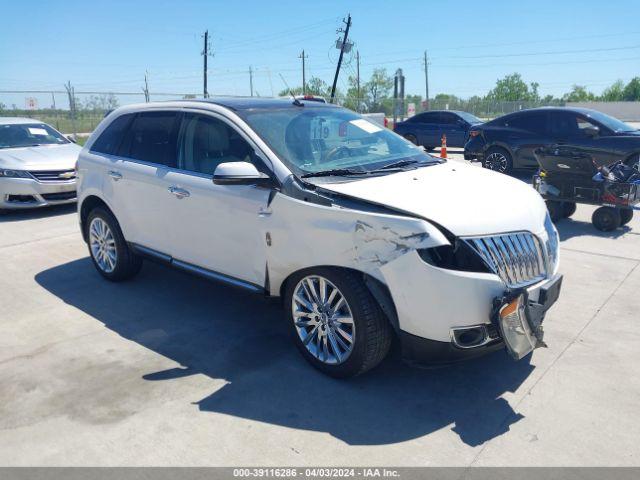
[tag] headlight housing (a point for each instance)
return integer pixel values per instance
(552, 244)
(6, 173)
(457, 256)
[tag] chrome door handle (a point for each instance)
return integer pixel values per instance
(179, 192)
(115, 175)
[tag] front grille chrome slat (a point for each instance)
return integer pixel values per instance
(53, 175)
(519, 258)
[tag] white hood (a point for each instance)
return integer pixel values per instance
(45, 157)
(464, 199)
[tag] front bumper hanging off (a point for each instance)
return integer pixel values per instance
(519, 315)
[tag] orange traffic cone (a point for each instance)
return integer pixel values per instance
(443, 148)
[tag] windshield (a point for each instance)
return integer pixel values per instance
(469, 117)
(610, 122)
(29, 134)
(311, 140)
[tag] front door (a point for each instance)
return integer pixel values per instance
(217, 227)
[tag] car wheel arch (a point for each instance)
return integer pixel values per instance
(377, 288)
(88, 204)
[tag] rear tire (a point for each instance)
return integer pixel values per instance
(556, 210)
(412, 138)
(312, 315)
(606, 219)
(568, 209)
(498, 160)
(625, 216)
(108, 249)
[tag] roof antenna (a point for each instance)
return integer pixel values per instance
(296, 102)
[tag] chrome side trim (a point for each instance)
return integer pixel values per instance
(151, 253)
(203, 272)
(188, 267)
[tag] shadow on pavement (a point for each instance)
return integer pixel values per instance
(35, 213)
(227, 334)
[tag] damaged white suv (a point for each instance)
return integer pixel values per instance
(363, 235)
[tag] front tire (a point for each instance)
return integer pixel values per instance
(556, 210)
(108, 249)
(568, 209)
(412, 138)
(336, 323)
(498, 160)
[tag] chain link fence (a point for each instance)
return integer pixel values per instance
(91, 107)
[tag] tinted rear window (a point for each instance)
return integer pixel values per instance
(532, 122)
(110, 138)
(151, 138)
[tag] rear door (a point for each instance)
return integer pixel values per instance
(142, 202)
(418, 125)
(454, 128)
(526, 132)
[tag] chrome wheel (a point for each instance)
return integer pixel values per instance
(497, 162)
(103, 245)
(323, 320)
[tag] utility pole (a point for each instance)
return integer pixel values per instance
(426, 79)
(145, 90)
(206, 54)
(72, 106)
(358, 80)
(342, 46)
(251, 80)
(304, 78)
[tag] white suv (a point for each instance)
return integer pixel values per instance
(363, 235)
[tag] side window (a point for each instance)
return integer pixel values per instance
(422, 118)
(448, 119)
(534, 122)
(565, 125)
(110, 139)
(151, 138)
(206, 142)
(583, 123)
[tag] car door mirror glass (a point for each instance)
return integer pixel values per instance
(239, 173)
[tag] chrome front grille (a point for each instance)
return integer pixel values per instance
(519, 259)
(54, 175)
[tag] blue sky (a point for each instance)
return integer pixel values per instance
(108, 45)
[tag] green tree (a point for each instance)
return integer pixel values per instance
(632, 90)
(105, 101)
(512, 88)
(613, 93)
(578, 93)
(377, 89)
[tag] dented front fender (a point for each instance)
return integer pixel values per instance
(304, 234)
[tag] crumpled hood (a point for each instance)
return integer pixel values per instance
(464, 199)
(46, 157)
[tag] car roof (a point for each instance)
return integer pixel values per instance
(250, 103)
(585, 111)
(18, 120)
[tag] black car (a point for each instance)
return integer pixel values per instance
(509, 141)
(427, 128)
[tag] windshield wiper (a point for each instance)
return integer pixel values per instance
(339, 172)
(401, 163)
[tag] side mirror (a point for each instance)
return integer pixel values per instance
(591, 131)
(239, 173)
(71, 138)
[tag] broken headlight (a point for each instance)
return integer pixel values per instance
(457, 256)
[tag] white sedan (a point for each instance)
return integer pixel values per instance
(37, 165)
